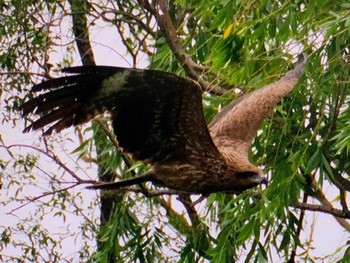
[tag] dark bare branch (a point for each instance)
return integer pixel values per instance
(81, 30)
(300, 227)
(321, 197)
(343, 201)
(185, 199)
(324, 209)
(168, 30)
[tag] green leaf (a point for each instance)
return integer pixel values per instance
(314, 161)
(345, 5)
(327, 167)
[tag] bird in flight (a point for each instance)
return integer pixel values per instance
(157, 118)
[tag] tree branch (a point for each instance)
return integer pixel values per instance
(168, 30)
(323, 209)
(185, 199)
(325, 206)
(300, 227)
(43, 195)
(320, 196)
(23, 73)
(175, 219)
(52, 157)
(343, 201)
(336, 178)
(81, 30)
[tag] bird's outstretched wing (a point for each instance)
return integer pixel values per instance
(234, 128)
(157, 116)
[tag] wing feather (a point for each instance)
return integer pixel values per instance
(237, 123)
(157, 116)
(162, 121)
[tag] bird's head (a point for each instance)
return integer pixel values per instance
(249, 179)
(254, 178)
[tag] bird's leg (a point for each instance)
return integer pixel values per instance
(123, 183)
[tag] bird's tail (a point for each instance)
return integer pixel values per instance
(123, 183)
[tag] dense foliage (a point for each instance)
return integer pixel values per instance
(230, 48)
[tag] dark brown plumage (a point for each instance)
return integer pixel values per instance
(157, 118)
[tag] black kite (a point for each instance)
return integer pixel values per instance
(157, 118)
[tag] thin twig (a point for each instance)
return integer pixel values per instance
(324, 209)
(300, 227)
(41, 196)
(22, 73)
(168, 30)
(52, 157)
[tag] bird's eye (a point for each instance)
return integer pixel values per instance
(247, 174)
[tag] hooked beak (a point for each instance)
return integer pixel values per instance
(264, 181)
(261, 179)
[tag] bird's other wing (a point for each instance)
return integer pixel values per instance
(73, 99)
(240, 120)
(157, 116)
